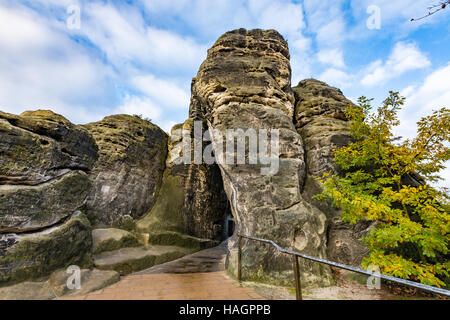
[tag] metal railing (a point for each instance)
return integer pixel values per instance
(296, 256)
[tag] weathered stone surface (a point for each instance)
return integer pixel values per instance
(128, 260)
(44, 161)
(169, 238)
(28, 291)
(112, 239)
(321, 121)
(43, 164)
(91, 280)
(28, 208)
(192, 199)
(245, 84)
(56, 286)
(128, 173)
(39, 146)
(31, 256)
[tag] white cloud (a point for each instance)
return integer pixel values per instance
(334, 57)
(124, 37)
(134, 105)
(432, 94)
(42, 68)
(403, 58)
(165, 92)
(336, 77)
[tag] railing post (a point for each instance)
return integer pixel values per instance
(240, 259)
(298, 285)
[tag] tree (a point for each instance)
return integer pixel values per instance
(433, 9)
(387, 181)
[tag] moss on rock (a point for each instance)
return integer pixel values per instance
(32, 256)
(181, 240)
(112, 239)
(129, 260)
(167, 213)
(128, 174)
(27, 208)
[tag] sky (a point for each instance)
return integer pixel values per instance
(89, 59)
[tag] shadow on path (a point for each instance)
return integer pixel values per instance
(209, 260)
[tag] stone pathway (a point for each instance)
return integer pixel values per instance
(199, 276)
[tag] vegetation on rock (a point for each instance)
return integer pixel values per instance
(388, 181)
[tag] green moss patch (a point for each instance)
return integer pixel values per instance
(166, 214)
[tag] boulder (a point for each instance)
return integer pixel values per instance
(169, 238)
(320, 119)
(127, 176)
(129, 260)
(112, 239)
(44, 166)
(28, 291)
(44, 161)
(192, 200)
(56, 286)
(245, 84)
(39, 146)
(29, 208)
(91, 280)
(35, 255)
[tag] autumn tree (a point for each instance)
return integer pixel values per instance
(388, 181)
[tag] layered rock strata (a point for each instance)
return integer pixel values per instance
(244, 84)
(44, 166)
(192, 200)
(128, 174)
(320, 119)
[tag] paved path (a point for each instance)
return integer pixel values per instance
(199, 276)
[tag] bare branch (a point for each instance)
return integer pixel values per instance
(433, 9)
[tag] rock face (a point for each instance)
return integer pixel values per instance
(91, 280)
(56, 178)
(43, 164)
(56, 286)
(128, 173)
(112, 239)
(245, 84)
(192, 200)
(320, 119)
(44, 161)
(56, 201)
(129, 260)
(31, 256)
(40, 146)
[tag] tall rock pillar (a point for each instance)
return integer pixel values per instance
(244, 84)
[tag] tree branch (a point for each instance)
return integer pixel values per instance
(433, 9)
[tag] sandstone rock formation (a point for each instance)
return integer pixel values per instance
(112, 239)
(128, 173)
(91, 280)
(192, 200)
(56, 286)
(40, 146)
(43, 165)
(245, 84)
(31, 256)
(44, 161)
(320, 119)
(56, 178)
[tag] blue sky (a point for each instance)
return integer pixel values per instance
(139, 57)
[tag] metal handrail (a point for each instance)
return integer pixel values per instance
(297, 255)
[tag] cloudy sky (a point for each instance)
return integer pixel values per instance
(139, 57)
